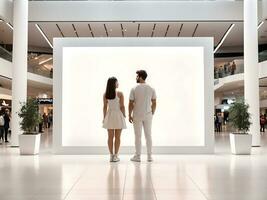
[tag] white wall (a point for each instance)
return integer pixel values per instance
(135, 10)
(87, 81)
(6, 10)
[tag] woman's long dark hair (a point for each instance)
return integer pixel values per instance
(111, 88)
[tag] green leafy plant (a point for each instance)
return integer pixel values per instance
(29, 114)
(239, 116)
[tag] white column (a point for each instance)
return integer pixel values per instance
(251, 67)
(19, 70)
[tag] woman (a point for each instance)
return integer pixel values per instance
(114, 116)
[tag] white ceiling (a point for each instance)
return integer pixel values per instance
(134, 29)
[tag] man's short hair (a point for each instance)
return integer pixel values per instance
(142, 74)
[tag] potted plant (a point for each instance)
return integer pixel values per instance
(29, 141)
(239, 117)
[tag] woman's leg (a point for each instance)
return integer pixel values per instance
(117, 140)
(110, 140)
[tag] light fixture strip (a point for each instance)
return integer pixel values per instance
(193, 35)
(224, 37)
(166, 33)
(153, 30)
(90, 29)
(59, 29)
(45, 61)
(106, 30)
(42, 33)
(138, 29)
(260, 24)
(9, 25)
(122, 32)
(180, 30)
(75, 31)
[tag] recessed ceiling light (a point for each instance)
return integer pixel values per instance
(110, 29)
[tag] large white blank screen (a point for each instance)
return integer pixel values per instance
(176, 73)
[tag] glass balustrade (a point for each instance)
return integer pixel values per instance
(5, 54)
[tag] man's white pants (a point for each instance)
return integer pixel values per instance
(138, 123)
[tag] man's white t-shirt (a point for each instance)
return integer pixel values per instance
(142, 94)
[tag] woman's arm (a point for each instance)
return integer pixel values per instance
(122, 107)
(105, 101)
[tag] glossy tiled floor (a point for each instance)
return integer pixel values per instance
(170, 177)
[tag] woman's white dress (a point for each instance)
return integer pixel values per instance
(114, 118)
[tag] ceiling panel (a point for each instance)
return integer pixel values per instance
(82, 29)
(35, 38)
(215, 30)
(67, 29)
(98, 29)
(130, 29)
(208, 29)
(50, 30)
(6, 34)
(188, 29)
(160, 29)
(145, 29)
(114, 29)
(174, 29)
(263, 33)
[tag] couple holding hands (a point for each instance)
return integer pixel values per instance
(142, 106)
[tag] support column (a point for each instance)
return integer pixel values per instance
(251, 67)
(19, 70)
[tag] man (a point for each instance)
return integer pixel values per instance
(142, 105)
(233, 68)
(6, 125)
(2, 129)
(220, 122)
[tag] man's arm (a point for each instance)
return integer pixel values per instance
(153, 106)
(130, 110)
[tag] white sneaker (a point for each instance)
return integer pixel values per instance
(111, 158)
(149, 158)
(136, 158)
(116, 158)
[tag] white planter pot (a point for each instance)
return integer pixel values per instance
(241, 143)
(29, 144)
